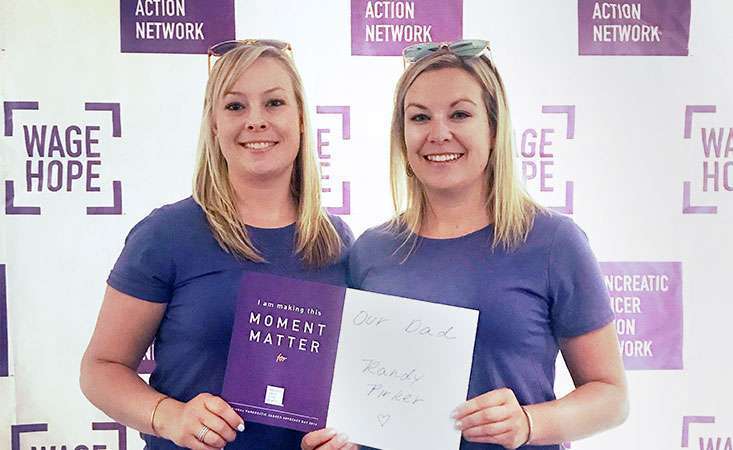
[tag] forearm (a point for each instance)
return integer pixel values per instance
(588, 409)
(120, 393)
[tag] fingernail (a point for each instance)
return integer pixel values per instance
(341, 438)
(330, 432)
(240, 427)
(458, 424)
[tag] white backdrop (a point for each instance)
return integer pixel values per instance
(627, 159)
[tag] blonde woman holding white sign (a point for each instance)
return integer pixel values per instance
(466, 234)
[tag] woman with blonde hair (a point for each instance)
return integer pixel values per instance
(255, 207)
(465, 233)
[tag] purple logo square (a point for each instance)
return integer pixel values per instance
(384, 28)
(643, 27)
(17, 431)
(52, 166)
(327, 140)
(646, 298)
(174, 26)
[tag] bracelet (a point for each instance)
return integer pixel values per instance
(152, 415)
(530, 425)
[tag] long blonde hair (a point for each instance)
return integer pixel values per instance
(317, 241)
(509, 206)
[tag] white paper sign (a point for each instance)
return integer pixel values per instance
(402, 367)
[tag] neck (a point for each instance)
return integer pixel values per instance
(266, 202)
(455, 213)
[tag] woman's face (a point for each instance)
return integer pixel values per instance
(258, 123)
(447, 131)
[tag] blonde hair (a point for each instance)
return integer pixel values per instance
(508, 205)
(317, 242)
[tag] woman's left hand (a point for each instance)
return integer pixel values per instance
(494, 418)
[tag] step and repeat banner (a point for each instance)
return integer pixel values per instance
(623, 119)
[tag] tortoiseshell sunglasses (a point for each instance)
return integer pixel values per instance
(221, 48)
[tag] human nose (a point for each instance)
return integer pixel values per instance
(256, 121)
(440, 132)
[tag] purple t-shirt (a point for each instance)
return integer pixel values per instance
(549, 287)
(171, 257)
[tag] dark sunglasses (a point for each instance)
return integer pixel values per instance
(468, 48)
(221, 48)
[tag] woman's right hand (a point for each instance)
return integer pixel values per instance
(326, 439)
(183, 423)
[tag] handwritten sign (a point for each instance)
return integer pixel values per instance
(402, 365)
(307, 355)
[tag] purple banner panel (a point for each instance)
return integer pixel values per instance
(647, 300)
(643, 27)
(4, 347)
(283, 350)
(174, 26)
(384, 28)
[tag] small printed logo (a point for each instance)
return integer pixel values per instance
(174, 26)
(384, 28)
(648, 27)
(646, 298)
(4, 345)
(280, 358)
(537, 153)
(274, 395)
(61, 158)
(26, 437)
(335, 190)
(716, 165)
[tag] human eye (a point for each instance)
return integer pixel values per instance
(275, 102)
(234, 106)
(420, 117)
(460, 115)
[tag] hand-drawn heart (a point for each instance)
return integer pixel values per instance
(383, 419)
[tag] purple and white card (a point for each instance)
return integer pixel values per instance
(307, 355)
(283, 350)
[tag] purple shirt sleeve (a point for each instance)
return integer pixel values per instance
(579, 298)
(145, 267)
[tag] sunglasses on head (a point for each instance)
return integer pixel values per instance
(467, 48)
(221, 48)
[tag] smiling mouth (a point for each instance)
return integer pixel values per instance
(443, 157)
(258, 145)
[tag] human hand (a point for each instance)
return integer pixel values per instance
(326, 439)
(206, 422)
(494, 418)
